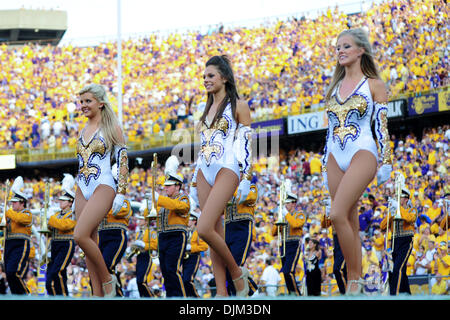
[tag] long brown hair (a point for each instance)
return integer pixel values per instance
(368, 67)
(231, 96)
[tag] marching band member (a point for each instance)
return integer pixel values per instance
(146, 241)
(239, 225)
(18, 235)
(112, 236)
(402, 238)
(62, 245)
(173, 217)
(191, 260)
(294, 227)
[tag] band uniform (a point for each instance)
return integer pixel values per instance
(173, 215)
(113, 239)
(239, 228)
(403, 243)
(339, 266)
(294, 230)
(191, 260)
(62, 248)
(17, 239)
(146, 240)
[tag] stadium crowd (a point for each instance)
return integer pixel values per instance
(424, 162)
(281, 68)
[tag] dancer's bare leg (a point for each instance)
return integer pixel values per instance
(219, 264)
(212, 201)
(345, 190)
(80, 203)
(89, 215)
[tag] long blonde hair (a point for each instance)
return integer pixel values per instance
(368, 67)
(109, 122)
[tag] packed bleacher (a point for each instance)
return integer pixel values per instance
(281, 68)
(424, 161)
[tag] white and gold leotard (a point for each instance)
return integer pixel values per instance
(349, 126)
(94, 165)
(216, 146)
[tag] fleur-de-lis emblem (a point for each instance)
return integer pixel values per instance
(210, 147)
(344, 128)
(85, 154)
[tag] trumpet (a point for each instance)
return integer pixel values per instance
(281, 223)
(153, 214)
(3, 220)
(134, 251)
(399, 183)
(44, 227)
(387, 262)
(188, 251)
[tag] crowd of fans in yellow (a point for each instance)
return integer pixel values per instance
(281, 68)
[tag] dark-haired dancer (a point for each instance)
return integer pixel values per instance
(225, 135)
(354, 99)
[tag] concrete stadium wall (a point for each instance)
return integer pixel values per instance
(33, 19)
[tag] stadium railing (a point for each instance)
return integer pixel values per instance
(163, 139)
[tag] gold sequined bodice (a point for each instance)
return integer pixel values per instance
(349, 119)
(92, 157)
(217, 139)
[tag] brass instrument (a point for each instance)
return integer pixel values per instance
(3, 220)
(188, 252)
(388, 264)
(153, 213)
(399, 183)
(281, 223)
(135, 250)
(387, 226)
(44, 227)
